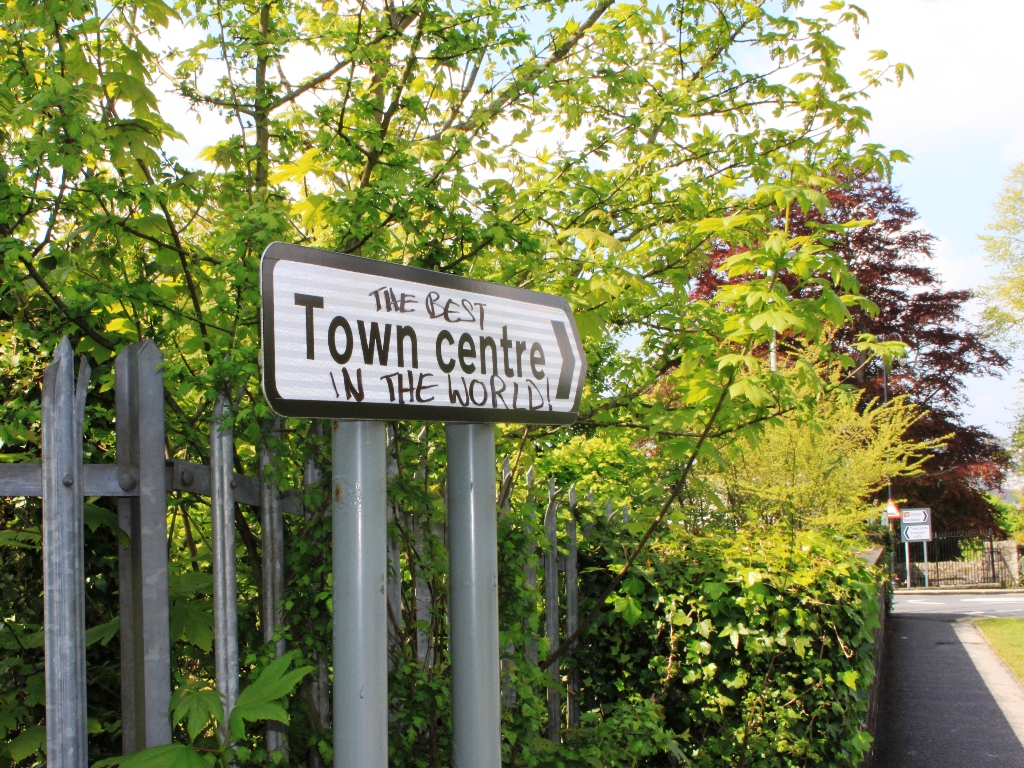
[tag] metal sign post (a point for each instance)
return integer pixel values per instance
(359, 509)
(351, 338)
(473, 526)
(916, 525)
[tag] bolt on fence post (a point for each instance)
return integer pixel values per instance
(572, 602)
(551, 611)
(359, 508)
(473, 557)
(63, 410)
(272, 533)
(225, 610)
(142, 565)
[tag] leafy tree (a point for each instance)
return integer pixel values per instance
(604, 152)
(823, 472)
(1004, 248)
(888, 256)
(890, 259)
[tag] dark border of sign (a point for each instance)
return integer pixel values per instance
(320, 409)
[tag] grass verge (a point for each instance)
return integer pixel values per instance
(1006, 636)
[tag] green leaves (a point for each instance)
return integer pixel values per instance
(776, 656)
(27, 743)
(197, 707)
(264, 698)
(629, 608)
(165, 756)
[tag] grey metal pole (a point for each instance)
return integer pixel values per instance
(473, 557)
(551, 610)
(572, 607)
(272, 524)
(906, 546)
(926, 583)
(63, 410)
(142, 565)
(321, 685)
(508, 690)
(530, 570)
(359, 507)
(225, 610)
(394, 588)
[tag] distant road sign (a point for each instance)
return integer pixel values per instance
(922, 515)
(352, 338)
(916, 532)
(916, 525)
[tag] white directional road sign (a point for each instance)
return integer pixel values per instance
(347, 337)
(911, 516)
(916, 525)
(917, 532)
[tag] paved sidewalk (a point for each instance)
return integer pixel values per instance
(937, 711)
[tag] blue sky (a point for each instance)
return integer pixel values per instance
(962, 120)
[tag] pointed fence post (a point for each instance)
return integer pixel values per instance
(394, 587)
(530, 569)
(421, 586)
(225, 611)
(142, 565)
(572, 608)
(319, 686)
(272, 524)
(551, 609)
(63, 410)
(508, 691)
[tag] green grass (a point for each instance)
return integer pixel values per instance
(1006, 636)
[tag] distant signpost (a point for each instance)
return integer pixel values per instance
(916, 525)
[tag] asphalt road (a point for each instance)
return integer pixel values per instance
(974, 606)
(937, 711)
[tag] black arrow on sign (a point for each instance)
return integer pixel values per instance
(568, 360)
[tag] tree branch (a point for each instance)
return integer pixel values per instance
(673, 495)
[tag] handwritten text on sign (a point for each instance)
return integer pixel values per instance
(346, 337)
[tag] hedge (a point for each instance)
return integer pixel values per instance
(741, 649)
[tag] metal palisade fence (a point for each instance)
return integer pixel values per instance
(141, 480)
